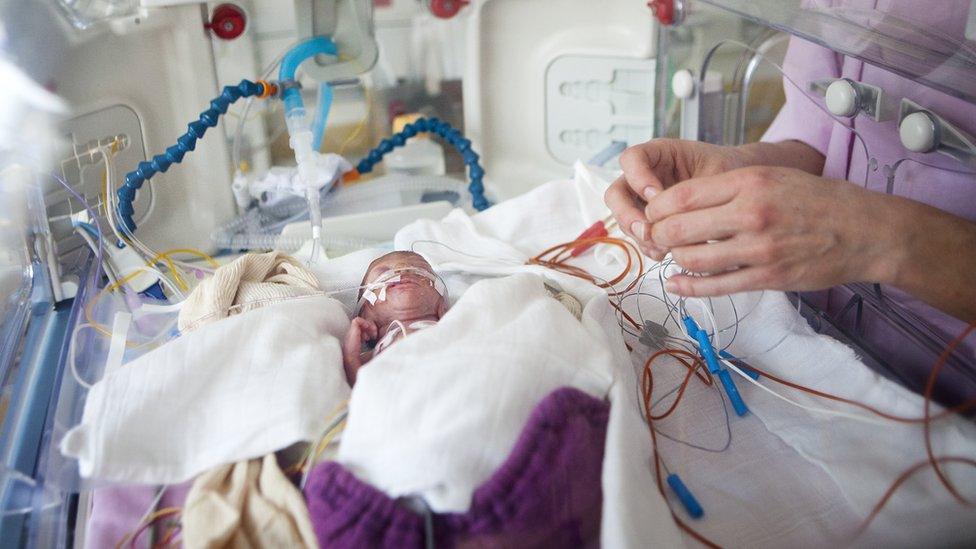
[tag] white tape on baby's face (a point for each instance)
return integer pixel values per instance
(370, 296)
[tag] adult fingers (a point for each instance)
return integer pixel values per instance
(627, 210)
(640, 164)
(729, 282)
(691, 194)
(696, 227)
(713, 257)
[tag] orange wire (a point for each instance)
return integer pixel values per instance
(959, 408)
(901, 480)
(929, 388)
(647, 383)
(556, 258)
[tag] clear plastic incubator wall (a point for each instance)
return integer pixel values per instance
(326, 126)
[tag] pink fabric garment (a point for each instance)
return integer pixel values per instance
(116, 511)
(938, 183)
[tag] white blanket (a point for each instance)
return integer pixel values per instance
(233, 390)
(479, 373)
(498, 242)
(790, 476)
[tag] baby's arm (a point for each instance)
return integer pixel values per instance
(360, 331)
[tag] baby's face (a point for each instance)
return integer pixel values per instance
(412, 297)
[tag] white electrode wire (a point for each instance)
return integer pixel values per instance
(856, 417)
(707, 311)
(848, 415)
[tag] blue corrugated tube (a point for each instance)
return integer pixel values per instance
(453, 137)
(321, 115)
(174, 154)
(292, 96)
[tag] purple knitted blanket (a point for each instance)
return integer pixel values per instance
(546, 493)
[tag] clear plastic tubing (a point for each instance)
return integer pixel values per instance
(227, 237)
(299, 131)
(238, 235)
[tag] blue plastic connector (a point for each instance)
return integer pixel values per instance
(452, 137)
(687, 498)
(174, 154)
(732, 391)
(155, 291)
(704, 345)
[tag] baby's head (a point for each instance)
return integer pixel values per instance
(412, 297)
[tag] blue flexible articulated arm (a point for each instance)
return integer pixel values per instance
(453, 137)
(186, 143)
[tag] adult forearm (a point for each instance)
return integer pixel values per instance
(933, 257)
(786, 154)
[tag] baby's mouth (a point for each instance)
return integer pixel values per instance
(401, 283)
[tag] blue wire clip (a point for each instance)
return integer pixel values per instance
(708, 353)
(687, 498)
(704, 346)
(730, 389)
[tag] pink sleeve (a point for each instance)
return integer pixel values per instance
(800, 118)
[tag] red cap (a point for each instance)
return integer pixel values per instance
(446, 9)
(228, 22)
(663, 10)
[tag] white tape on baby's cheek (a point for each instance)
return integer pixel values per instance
(370, 296)
(382, 296)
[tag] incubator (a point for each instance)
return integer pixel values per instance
(104, 186)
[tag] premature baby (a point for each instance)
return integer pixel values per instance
(400, 294)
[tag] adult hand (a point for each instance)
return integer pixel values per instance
(650, 168)
(360, 332)
(773, 228)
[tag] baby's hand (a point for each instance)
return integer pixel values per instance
(360, 332)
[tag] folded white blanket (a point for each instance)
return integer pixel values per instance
(232, 390)
(479, 373)
(498, 241)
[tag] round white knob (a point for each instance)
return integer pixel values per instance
(842, 98)
(917, 132)
(683, 84)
